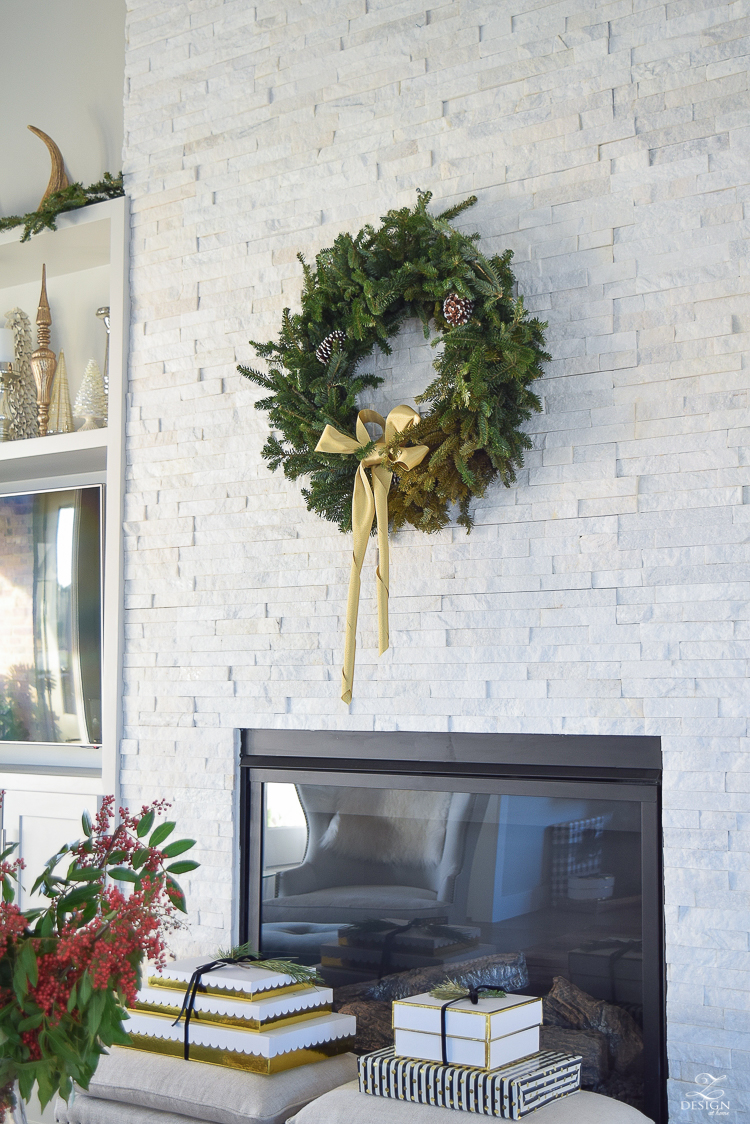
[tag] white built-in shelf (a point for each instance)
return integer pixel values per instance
(60, 454)
(87, 267)
(77, 244)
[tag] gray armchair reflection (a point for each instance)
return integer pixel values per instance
(375, 853)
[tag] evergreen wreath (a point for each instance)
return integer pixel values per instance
(357, 296)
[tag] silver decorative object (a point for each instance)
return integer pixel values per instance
(21, 397)
(4, 419)
(103, 314)
(7, 380)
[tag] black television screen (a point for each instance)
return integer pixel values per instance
(51, 616)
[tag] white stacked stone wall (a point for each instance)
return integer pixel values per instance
(609, 146)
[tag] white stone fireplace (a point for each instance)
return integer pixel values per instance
(604, 594)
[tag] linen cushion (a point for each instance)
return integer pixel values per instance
(93, 1110)
(211, 1093)
(346, 1105)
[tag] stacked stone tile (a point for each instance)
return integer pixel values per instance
(606, 592)
(243, 1017)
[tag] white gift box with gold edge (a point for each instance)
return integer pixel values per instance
(257, 1051)
(241, 980)
(250, 1013)
(493, 1032)
(509, 1093)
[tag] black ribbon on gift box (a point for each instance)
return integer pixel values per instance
(473, 996)
(196, 980)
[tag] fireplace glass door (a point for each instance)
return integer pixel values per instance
(389, 886)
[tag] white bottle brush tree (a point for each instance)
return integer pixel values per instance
(91, 401)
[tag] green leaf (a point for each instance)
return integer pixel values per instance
(95, 1011)
(161, 833)
(9, 892)
(89, 912)
(183, 867)
(42, 878)
(177, 896)
(72, 900)
(139, 857)
(66, 1088)
(177, 848)
(119, 1036)
(28, 960)
(84, 874)
(123, 874)
(47, 924)
(20, 982)
(26, 1079)
(86, 824)
(85, 989)
(144, 824)
(52, 862)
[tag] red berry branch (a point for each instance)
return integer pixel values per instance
(68, 969)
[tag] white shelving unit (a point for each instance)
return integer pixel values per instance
(87, 266)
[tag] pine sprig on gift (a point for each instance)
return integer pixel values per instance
(300, 973)
(452, 989)
(355, 298)
(70, 198)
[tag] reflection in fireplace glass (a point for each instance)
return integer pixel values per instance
(392, 890)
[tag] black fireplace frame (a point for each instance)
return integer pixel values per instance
(616, 767)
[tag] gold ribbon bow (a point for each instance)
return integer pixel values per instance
(368, 502)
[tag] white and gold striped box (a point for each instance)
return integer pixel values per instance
(242, 981)
(257, 1051)
(492, 1032)
(270, 1009)
(510, 1093)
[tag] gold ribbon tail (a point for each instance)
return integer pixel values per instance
(381, 484)
(367, 503)
(363, 512)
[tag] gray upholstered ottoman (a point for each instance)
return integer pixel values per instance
(134, 1087)
(93, 1110)
(346, 1105)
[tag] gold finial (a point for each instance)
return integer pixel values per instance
(43, 315)
(57, 180)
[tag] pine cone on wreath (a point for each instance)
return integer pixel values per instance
(457, 310)
(324, 350)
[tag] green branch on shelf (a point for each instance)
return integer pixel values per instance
(70, 198)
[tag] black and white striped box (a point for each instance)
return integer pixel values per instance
(510, 1093)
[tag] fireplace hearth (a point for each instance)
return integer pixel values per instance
(393, 861)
